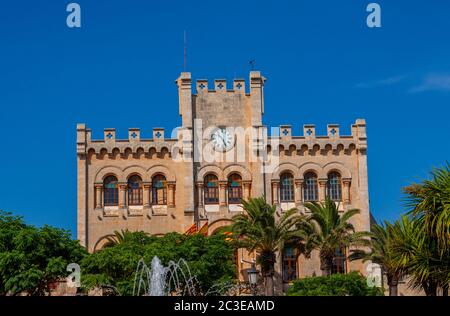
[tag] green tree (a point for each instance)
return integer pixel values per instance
(429, 204)
(383, 252)
(419, 256)
(32, 258)
(332, 231)
(262, 232)
(210, 259)
(351, 284)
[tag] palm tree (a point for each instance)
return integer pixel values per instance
(124, 236)
(382, 252)
(262, 232)
(429, 204)
(332, 231)
(419, 256)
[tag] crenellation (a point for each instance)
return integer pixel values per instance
(158, 134)
(109, 135)
(333, 131)
(220, 85)
(134, 135)
(309, 131)
(239, 86)
(201, 85)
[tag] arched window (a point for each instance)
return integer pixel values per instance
(334, 188)
(234, 189)
(286, 187)
(289, 264)
(211, 189)
(159, 190)
(339, 261)
(110, 191)
(135, 190)
(310, 187)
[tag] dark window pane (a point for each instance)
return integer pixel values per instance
(310, 191)
(110, 191)
(286, 188)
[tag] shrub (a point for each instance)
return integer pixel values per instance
(351, 284)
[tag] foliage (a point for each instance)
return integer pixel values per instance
(331, 231)
(32, 258)
(383, 252)
(419, 256)
(424, 242)
(351, 284)
(429, 203)
(210, 259)
(260, 230)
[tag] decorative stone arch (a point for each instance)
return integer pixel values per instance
(338, 167)
(310, 167)
(210, 169)
(101, 242)
(159, 169)
(110, 170)
(241, 170)
(217, 224)
(286, 167)
(136, 170)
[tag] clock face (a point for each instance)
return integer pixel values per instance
(222, 139)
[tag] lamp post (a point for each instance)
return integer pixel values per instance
(252, 276)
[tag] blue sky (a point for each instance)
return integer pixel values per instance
(323, 64)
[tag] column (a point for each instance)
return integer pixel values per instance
(275, 185)
(246, 193)
(122, 195)
(98, 195)
(322, 189)
(200, 194)
(171, 194)
(146, 194)
(346, 191)
(298, 191)
(222, 193)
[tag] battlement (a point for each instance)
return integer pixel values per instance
(202, 86)
(333, 140)
(133, 144)
(159, 143)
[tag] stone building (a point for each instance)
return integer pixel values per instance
(220, 154)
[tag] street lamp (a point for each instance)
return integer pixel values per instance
(252, 274)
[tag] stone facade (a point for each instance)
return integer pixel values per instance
(184, 193)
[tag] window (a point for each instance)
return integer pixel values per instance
(135, 190)
(289, 264)
(286, 187)
(334, 189)
(159, 190)
(211, 189)
(339, 261)
(234, 189)
(311, 190)
(111, 191)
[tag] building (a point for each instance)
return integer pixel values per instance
(220, 154)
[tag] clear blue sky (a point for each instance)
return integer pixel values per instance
(323, 64)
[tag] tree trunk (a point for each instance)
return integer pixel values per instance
(445, 290)
(268, 280)
(393, 285)
(325, 265)
(430, 288)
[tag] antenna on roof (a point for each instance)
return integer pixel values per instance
(185, 50)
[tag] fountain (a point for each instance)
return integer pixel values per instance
(157, 280)
(176, 280)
